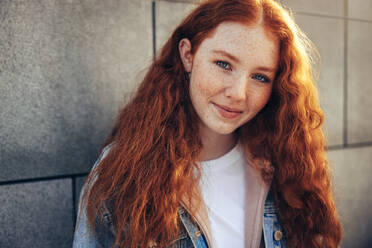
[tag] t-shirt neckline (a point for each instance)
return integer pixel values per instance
(225, 160)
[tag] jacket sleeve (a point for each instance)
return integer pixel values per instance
(85, 236)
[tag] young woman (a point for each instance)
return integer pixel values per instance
(221, 146)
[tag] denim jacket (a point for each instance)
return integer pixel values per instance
(190, 235)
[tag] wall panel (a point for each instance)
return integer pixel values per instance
(36, 214)
(359, 90)
(331, 79)
(65, 70)
(352, 186)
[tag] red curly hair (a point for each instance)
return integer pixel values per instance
(153, 160)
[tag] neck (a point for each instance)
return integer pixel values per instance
(214, 144)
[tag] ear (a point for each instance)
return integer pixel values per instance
(184, 48)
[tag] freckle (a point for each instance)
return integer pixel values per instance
(206, 90)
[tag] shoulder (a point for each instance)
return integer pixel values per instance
(104, 233)
(92, 177)
(105, 151)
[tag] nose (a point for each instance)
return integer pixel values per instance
(237, 89)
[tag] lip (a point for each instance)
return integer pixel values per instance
(226, 112)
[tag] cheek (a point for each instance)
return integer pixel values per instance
(203, 84)
(205, 89)
(200, 95)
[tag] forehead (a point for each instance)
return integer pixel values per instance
(243, 41)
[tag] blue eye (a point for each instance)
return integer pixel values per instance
(261, 78)
(224, 65)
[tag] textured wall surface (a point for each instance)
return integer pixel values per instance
(331, 78)
(352, 178)
(67, 67)
(64, 69)
(359, 113)
(36, 214)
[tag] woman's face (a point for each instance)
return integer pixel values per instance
(232, 75)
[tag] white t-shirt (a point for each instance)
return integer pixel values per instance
(223, 187)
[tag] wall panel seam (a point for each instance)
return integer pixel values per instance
(353, 145)
(42, 179)
(153, 13)
(345, 84)
(74, 206)
(330, 16)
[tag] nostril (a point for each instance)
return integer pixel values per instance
(237, 92)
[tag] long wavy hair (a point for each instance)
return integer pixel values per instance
(153, 159)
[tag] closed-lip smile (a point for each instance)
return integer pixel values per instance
(227, 112)
(228, 109)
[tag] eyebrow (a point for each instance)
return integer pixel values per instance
(236, 60)
(266, 69)
(230, 56)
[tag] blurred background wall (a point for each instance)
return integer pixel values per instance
(67, 67)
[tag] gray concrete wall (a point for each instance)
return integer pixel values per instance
(66, 67)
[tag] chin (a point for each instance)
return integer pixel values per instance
(224, 131)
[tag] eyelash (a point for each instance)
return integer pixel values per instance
(263, 78)
(224, 65)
